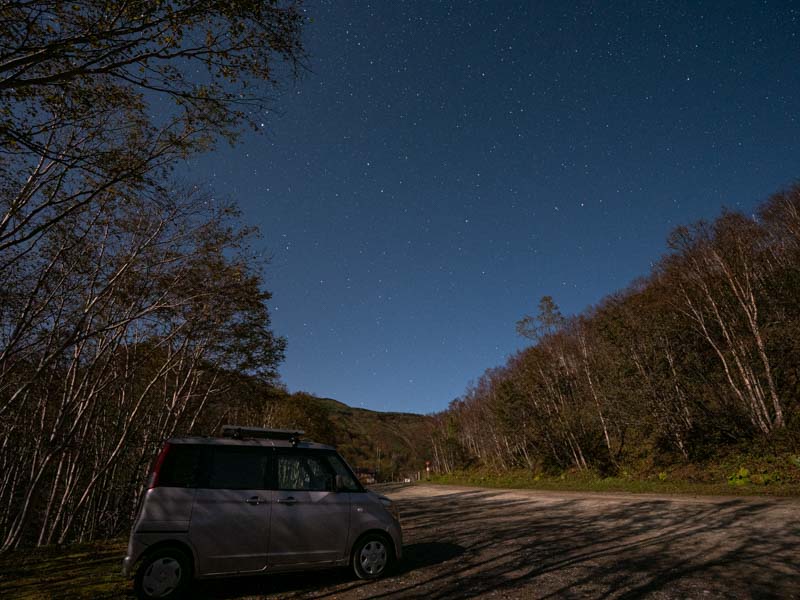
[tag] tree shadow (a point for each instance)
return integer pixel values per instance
(426, 554)
(609, 547)
(415, 556)
(475, 543)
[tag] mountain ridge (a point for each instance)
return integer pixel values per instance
(393, 445)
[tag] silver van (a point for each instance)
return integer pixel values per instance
(255, 501)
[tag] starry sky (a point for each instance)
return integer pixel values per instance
(441, 166)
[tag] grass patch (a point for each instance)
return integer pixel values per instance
(724, 480)
(90, 570)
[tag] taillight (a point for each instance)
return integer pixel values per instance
(157, 466)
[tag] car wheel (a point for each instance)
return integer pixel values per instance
(372, 556)
(165, 573)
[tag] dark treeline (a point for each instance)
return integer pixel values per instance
(702, 354)
(127, 297)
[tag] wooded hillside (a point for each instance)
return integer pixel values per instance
(701, 355)
(391, 444)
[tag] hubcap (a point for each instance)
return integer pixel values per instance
(161, 577)
(373, 557)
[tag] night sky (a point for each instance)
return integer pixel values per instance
(443, 165)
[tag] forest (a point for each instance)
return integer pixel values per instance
(700, 356)
(129, 297)
(133, 306)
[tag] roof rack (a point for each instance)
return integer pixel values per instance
(238, 432)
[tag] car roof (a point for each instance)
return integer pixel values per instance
(225, 441)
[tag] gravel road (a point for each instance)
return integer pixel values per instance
(480, 543)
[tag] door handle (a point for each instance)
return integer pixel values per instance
(253, 500)
(290, 501)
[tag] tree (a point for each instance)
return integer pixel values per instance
(547, 321)
(83, 86)
(123, 352)
(719, 271)
(124, 295)
(701, 353)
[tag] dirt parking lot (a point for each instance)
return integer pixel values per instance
(479, 543)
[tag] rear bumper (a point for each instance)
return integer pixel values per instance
(136, 547)
(127, 567)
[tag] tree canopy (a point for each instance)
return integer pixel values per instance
(127, 297)
(700, 355)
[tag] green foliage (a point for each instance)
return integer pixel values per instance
(741, 477)
(662, 476)
(88, 571)
(765, 478)
(769, 483)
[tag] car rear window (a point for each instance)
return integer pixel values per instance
(181, 466)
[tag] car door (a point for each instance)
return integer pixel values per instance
(231, 515)
(310, 521)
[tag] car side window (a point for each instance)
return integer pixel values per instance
(237, 468)
(348, 481)
(304, 472)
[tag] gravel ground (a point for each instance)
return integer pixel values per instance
(478, 543)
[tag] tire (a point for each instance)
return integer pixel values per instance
(165, 573)
(373, 556)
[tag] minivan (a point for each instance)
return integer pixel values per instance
(255, 501)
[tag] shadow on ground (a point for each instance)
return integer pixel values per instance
(416, 556)
(474, 543)
(470, 543)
